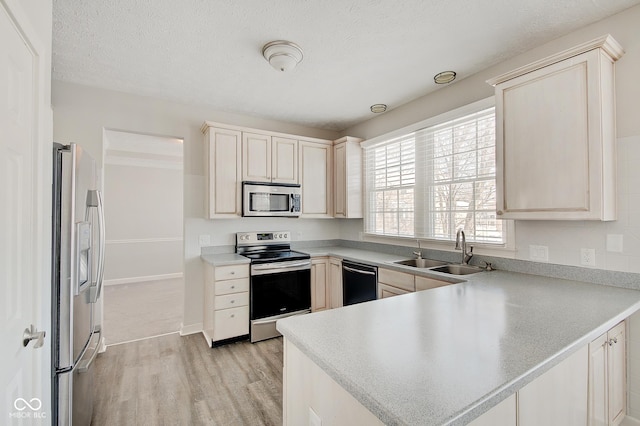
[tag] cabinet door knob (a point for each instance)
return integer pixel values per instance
(499, 212)
(233, 315)
(233, 301)
(232, 287)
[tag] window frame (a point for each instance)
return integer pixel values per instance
(486, 248)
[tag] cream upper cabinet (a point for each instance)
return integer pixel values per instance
(347, 184)
(314, 161)
(284, 160)
(256, 157)
(223, 165)
(607, 378)
(555, 136)
(269, 158)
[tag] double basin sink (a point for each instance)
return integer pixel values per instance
(439, 266)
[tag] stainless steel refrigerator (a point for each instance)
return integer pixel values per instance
(77, 275)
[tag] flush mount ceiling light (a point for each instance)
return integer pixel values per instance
(378, 108)
(282, 55)
(444, 77)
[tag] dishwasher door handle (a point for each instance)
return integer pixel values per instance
(357, 271)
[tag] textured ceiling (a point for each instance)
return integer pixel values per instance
(356, 53)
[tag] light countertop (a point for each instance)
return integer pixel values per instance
(447, 355)
(223, 259)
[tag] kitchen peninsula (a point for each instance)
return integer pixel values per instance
(450, 354)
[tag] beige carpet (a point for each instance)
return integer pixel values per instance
(142, 310)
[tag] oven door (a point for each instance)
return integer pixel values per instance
(278, 290)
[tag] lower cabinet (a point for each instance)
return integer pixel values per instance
(311, 397)
(503, 414)
(394, 283)
(335, 282)
(557, 397)
(320, 288)
(226, 302)
(607, 377)
(424, 283)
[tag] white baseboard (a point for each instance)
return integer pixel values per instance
(190, 329)
(103, 346)
(630, 421)
(117, 281)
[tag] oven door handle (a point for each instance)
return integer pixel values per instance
(282, 266)
(276, 268)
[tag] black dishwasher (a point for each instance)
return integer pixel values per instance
(359, 283)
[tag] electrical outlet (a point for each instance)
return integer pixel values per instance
(588, 257)
(539, 253)
(204, 240)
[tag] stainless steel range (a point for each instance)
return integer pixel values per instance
(280, 280)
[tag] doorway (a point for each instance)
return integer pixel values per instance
(143, 191)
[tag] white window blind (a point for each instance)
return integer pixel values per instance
(391, 178)
(432, 182)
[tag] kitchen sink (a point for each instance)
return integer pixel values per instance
(458, 269)
(420, 263)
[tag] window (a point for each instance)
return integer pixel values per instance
(430, 182)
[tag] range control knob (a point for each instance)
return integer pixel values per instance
(286, 235)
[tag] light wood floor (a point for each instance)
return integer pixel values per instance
(140, 310)
(173, 380)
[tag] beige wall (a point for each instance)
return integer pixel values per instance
(82, 113)
(564, 239)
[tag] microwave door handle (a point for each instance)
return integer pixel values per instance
(291, 203)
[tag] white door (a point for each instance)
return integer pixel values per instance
(22, 258)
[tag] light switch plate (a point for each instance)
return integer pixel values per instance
(614, 243)
(539, 253)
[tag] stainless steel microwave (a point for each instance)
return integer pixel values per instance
(270, 199)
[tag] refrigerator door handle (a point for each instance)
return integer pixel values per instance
(85, 365)
(96, 288)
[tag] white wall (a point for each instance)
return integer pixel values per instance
(143, 217)
(564, 239)
(143, 207)
(82, 113)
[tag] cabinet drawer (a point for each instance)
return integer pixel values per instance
(231, 323)
(396, 279)
(424, 283)
(232, 286)
(231, 272)
(385, 291)
(231, 300)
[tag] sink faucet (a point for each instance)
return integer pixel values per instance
(466, 256)
(419, 252)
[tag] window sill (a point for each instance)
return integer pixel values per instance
(478, 248)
